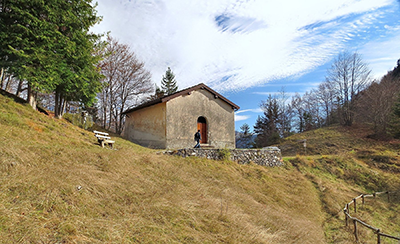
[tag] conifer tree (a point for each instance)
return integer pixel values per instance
(168, 82)
(267, 125)
(244, 137)
(48, 44)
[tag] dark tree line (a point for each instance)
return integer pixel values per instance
(347, 95)
(46, 47)
(49, 56)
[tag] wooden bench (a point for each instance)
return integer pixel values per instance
(103, 138)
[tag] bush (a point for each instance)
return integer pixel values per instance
(225, 154)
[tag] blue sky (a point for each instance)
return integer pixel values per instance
(246, 49)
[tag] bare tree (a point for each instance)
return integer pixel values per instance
(125, 79)
(376, 104)
(312, 111)
(297, 106)
(285, 114)
(325, 95)
(348, 75)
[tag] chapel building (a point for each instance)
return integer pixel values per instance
(171, 121)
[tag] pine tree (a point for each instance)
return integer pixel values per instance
(48, 44)
(267, 125)
(244, 138)
(168, 82)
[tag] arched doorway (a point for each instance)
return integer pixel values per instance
(202, 126)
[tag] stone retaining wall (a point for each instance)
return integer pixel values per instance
(266, 157)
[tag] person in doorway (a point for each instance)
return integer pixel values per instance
(197, 138)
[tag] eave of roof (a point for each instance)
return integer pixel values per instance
(180, 93)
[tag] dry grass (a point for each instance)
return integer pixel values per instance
(58, 185)
(340, 178)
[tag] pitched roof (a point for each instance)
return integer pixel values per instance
(166, 98)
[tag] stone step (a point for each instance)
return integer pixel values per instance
(206, 146)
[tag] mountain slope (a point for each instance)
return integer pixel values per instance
(58, 185)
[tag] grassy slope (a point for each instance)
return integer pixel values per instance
(135, 195)
(343, 165)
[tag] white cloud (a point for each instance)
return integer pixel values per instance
(235, 44)
(246, 117)
(241, 117)
(254, 110)
(287, 94)
(382, 56)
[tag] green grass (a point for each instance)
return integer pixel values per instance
(58, 185)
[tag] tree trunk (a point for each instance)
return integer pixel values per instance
(121, 123)
(8, 84)
(56, 102)
(60, 105)
(32, 94)
(110, 117)
(63, 107)
(348, 114)
(19, 89)
(121, 120)
(104, 116)
(2, 75)
(104, 108)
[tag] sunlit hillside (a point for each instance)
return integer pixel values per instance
(57, 185)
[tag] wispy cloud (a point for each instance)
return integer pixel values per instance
(249, 113)
(373, 52)
(238, 24)
(254, 110)
(237, 44)
(287, 94)
(241, 117)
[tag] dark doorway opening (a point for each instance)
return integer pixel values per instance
(202, 126)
